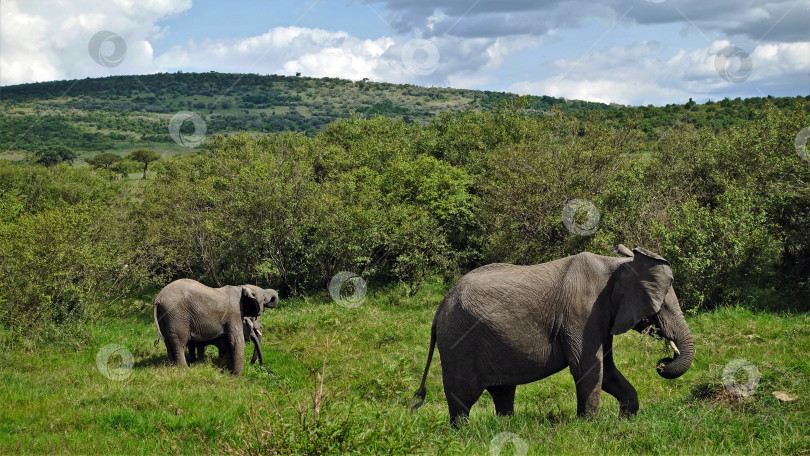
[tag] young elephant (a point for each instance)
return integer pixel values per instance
(188, 311)
(504, 325)
(252, 329)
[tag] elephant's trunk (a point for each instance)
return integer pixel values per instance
(257, 349)
(677, 332)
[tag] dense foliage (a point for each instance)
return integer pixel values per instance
(397, 202)
(123, 112)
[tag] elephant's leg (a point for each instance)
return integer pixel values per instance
(504, 399)
(236, 353)
(587, 373)
(461, 394)
(192, 353)
(170, 351)
(223, 352)
(176, 350)
(617, 386)
(201, 351)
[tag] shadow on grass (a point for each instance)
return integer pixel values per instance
(152, 361)
(163, 360)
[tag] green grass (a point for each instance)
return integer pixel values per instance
(55, 399)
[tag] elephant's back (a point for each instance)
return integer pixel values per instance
(184, 291)
(504, 281)
(179, 283)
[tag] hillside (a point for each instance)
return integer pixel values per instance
(407, 202)
(120, 113)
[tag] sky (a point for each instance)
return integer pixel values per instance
(631, 52)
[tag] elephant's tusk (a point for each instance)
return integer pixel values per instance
(674, 347)
(259, 332)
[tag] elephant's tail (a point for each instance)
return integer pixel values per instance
(157, 326)
(419, 396)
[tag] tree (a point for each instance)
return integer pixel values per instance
(104, 160)
(54, 155)
(144, 156)
(690, 105)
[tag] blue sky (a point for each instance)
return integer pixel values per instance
(619, 51)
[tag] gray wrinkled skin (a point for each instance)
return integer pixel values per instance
(503, 325)
(187, 311)
(252, 329)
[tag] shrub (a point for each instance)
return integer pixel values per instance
(64, 253)
(720, 254)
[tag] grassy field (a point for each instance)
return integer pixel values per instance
(342, 380)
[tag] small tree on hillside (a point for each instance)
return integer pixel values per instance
(104, 160)
(54, 155)
(144, 156)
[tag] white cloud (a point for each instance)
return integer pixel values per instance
(42, 40)
(283, 50)
(637, 74)
(22, 41)
(452, 45)
(319, 53)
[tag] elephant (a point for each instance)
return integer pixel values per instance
(252, 329)
(188, 311)
(503, 325)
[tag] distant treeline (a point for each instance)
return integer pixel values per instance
(154, 91)
(95, 115)
(399, 202)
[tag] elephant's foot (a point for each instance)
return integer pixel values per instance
(504, 399)
(628, 411)
(588, 414)
(457, 420)
(459, 401)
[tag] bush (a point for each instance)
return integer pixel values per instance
(527, 184)
(398, 202)
(720, 255)
(64, 255)
(292, 212)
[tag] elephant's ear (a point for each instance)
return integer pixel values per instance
(251, 307)
(640, 289)
(621, 249)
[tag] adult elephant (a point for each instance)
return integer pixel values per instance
(188, 311)
(504, 325)
(251, 328)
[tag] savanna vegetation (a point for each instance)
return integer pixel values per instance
(120, 113)
(722, 192)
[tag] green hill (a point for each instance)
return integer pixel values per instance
(121, 113)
